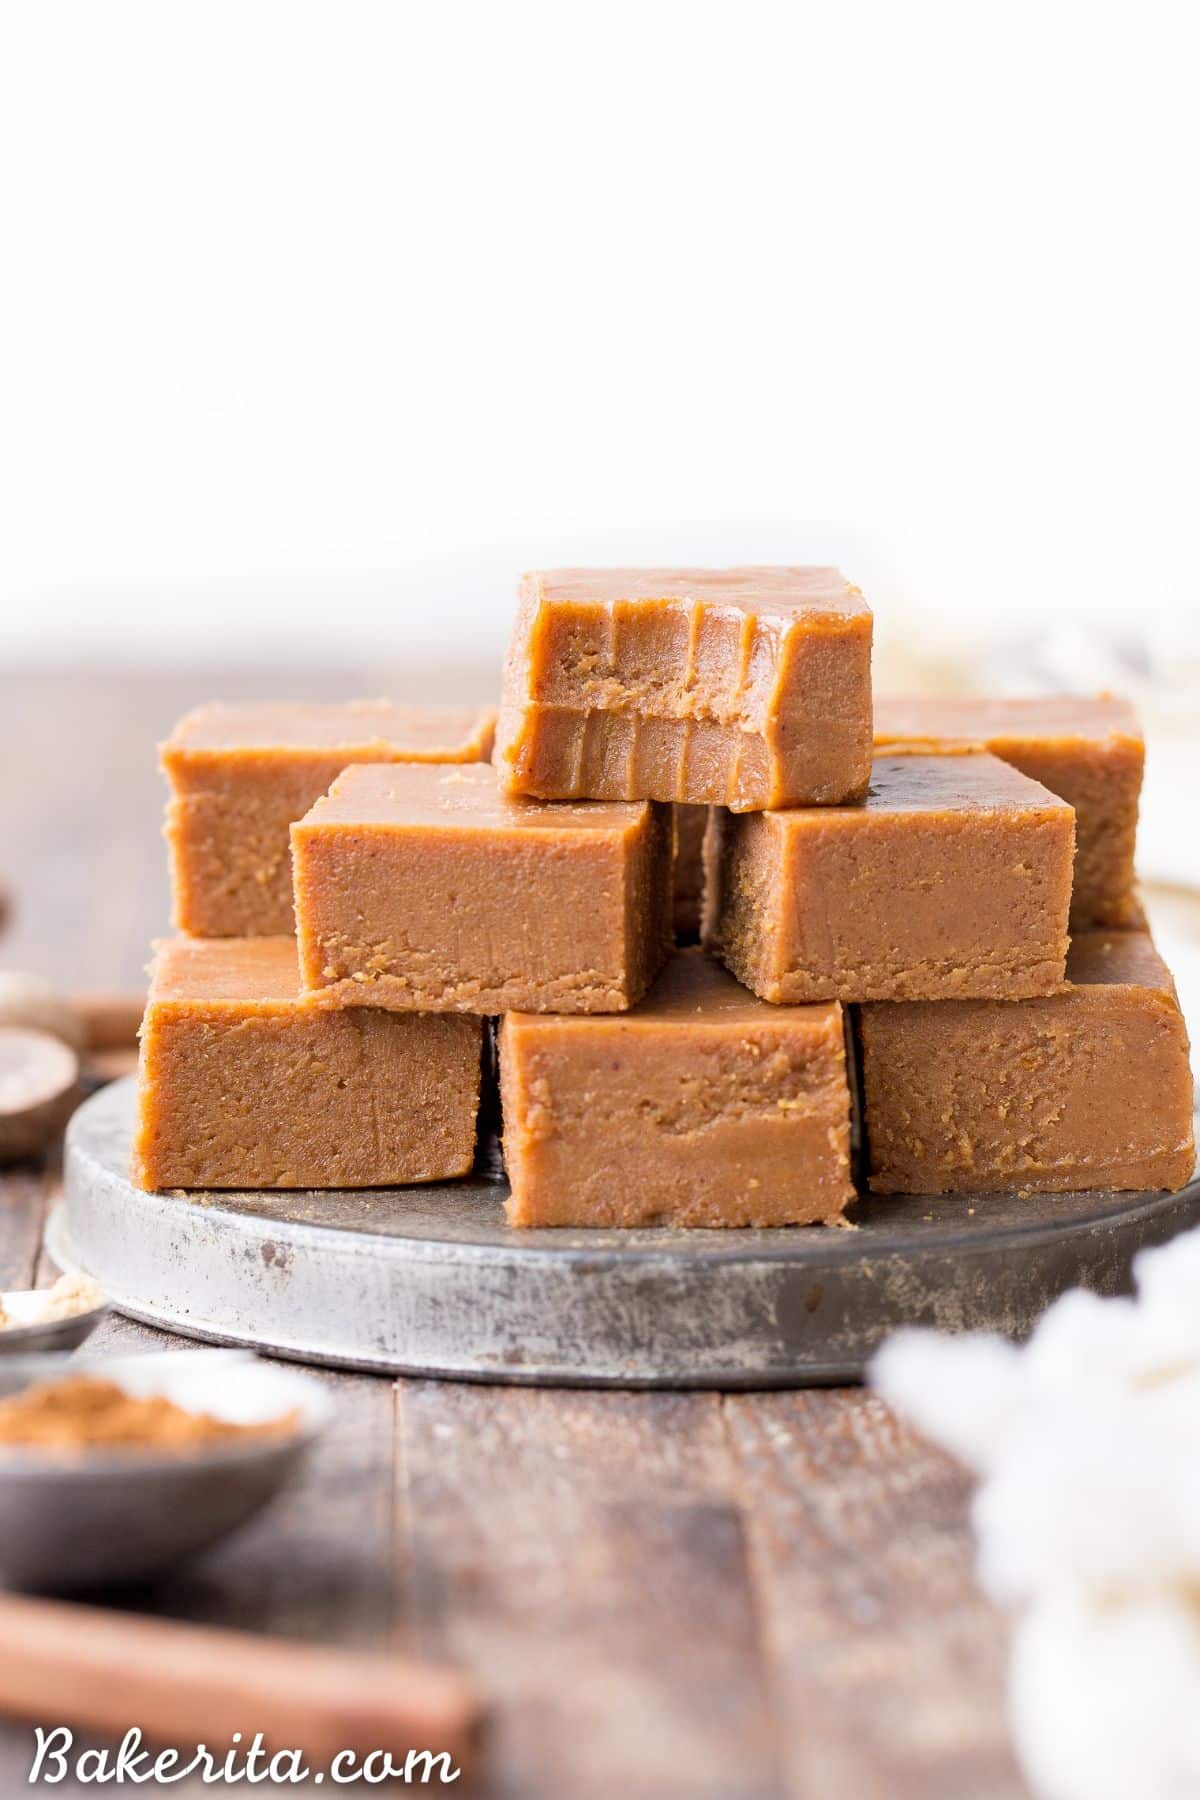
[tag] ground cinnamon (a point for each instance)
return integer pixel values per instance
(86, 1411)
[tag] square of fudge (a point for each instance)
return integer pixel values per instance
(744, 687)
(1088, 751)
(952, 880)
(701, 1107)
(428, 890)
(243, 1085)
(1087, 1088)
(241, 774)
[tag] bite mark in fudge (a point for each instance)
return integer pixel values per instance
(428, 890)
(1088, 751)
(748, 687)
(241, 774)
(1088, 1088)
(242, 1085)
(701, 1107)
(953, 880)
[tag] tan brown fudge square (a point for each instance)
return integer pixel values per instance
(1087, 1088)
(701, 1107)
(691, 823)
(1088, 751)
(241, 774)
(952, 881)
(748, 687)
(241, 1085)
(427, 890)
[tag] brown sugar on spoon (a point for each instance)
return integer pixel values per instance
(86, 1412)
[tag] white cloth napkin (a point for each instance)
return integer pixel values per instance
(1087, 1443)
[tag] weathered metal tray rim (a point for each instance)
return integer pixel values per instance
(430, 1282)
(827, 1245)
(716, 1379)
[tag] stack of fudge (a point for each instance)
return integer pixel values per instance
(922, 965)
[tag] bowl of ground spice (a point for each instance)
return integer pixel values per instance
(113, 1469)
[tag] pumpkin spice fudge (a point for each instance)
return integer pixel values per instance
(953, 880)
(427, 890)
(748, 687)
(701, 1107)
(240, 775)
(242, 1085)
(1088, 751)
(1088, 1088)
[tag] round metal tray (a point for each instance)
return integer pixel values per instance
(430, 1280)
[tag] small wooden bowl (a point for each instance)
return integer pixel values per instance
(39, 1090)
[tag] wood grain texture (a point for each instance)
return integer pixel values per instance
(585, 1554)
(663, 1596)
(888, 1658)
(24, 1198)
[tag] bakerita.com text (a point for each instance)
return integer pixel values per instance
(55, 1758)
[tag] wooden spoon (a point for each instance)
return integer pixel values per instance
(92, 1021)
(39, 1088)
(35, 1004)
(110, 1020)
(185, 1685)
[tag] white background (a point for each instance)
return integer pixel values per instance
(318, 323)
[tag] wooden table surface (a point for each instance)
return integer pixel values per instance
(661, 1595)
